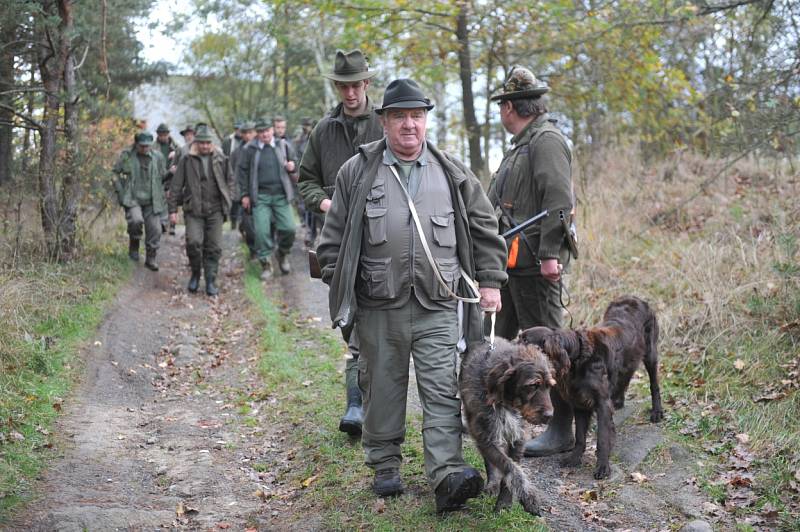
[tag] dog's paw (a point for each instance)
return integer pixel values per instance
(504, 500)
(602, 471)
(493, 487)
(656, 416)
(529, 504)
(572, 460)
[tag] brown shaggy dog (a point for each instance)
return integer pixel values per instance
(594, 367)
(499, 387)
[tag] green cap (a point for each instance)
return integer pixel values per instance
(144, 138)
(247, 125)
(188, 128)
(162, 128)
(203, 134)
(262, 124)
(520, 83)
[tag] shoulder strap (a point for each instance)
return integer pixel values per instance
(467, 278)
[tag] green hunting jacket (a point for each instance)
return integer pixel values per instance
(481, 251)
(127, 171)
(329, 146)
(186, 185)
(535, 174)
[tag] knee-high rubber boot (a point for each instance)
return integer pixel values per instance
(133, 249)
(559, 436)
(354, 415)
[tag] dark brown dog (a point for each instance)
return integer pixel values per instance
(594, 367)
(499, 387)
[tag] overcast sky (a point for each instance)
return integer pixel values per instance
(158, 45)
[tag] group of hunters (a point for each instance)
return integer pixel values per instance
(411, 246)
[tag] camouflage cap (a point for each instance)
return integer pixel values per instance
(144, 138)
(520, 83)
(162, 128)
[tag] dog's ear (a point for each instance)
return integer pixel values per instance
(496, 381)
(557, 354)
(600, 338)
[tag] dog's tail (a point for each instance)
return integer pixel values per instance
(651, 364)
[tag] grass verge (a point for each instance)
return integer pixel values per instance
(301, 367)
(47, 311)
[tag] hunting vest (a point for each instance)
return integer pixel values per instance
(393, 263)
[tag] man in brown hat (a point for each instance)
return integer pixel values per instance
(335, 139)
(399, 282)
(535, 175)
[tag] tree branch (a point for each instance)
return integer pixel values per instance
(26, 118)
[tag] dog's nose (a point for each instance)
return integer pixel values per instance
(546, 416)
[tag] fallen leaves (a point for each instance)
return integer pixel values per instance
(639, 478)
(182, 510)
(310, 480)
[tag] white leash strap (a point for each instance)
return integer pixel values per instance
(432, 262)
(493, 318)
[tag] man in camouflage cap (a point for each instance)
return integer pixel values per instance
(140, 191)
(335, 139)
(535, 175)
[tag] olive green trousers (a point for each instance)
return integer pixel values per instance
(388, 338)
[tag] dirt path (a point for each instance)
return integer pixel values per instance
(154, 436)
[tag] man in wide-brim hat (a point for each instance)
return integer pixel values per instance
(383, 283)
(335, 139)
(535, 175)
(202, 186)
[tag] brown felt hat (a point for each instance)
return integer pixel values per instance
(350, 66)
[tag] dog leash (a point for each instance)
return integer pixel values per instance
(493, 319)
(561, 291)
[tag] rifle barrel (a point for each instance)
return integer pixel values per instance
(524, 225)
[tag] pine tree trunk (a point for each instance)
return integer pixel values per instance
(465, 72)
(58, 204)
(7, 35)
